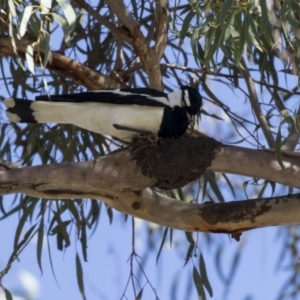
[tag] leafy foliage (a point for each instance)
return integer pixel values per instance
(225, 47)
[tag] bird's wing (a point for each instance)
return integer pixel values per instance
(134, 130)
(138, 96)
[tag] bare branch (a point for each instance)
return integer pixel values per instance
(152, 206)
(148, 56)
(119, 172)
(121, 33)
(117, 180)
(161, 30)
(255, 105)
(121, 11)
(62, 65)
(201, 71)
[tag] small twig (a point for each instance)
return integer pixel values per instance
(102, 20)
(255, 105)
(132, 255)
(62, 65)
(173, 71)
(196, 71)
(292, 139)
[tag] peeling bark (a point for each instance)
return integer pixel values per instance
(117, 180)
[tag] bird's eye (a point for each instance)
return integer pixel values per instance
(183, 103)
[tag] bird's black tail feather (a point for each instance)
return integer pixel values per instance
(19, 110)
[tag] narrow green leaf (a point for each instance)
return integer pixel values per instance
(30, 58)
(235, 262)
(45, 6)
(229, 184)
(162, 244)
(198, 284)
(95, 212)
(62, 22)
(253, 35)
(211, 178)
(140, 294)
(28, 210)
(25, 19)
(189, 237)
(110, 214)
(12, 8)
(186, 23)
(273, 186)
(79, 274)
(278, 149)
(27, 237)
(266, 26)
(225, 9)
(135, 9)
(45, 47)
(13, 210)
(242, 38)
(8, 295)
(11, 35)
(59, 242)
(83, 240)
(50, 260)
(204, 276)
(189, 254)
(69, 13)
(218, 263)
(35, 25)
(171, 237)
(39, 246)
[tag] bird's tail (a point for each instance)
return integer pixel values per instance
(18, 110)
(26, 111)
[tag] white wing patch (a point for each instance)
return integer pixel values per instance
(162, 100)
(175, 98)
(9, 102)
(187, 98)
(13, 117)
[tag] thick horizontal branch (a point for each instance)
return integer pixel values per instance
(118, 180)
(231, 217)
(62, 65)
(120, 172)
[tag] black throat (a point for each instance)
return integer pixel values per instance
(174, 124)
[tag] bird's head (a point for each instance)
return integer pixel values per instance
(191, 100)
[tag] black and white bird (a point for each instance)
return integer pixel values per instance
(118, 113)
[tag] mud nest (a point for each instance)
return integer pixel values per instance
(173, 162)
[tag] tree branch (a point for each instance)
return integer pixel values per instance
(121, 33)
(149, 57)
(62, 65)
(120, 10)
(230, 217)
(255, 105)
(119, 172)
(292, 139)
(118, 180)
(201, 71)
(161, 29)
